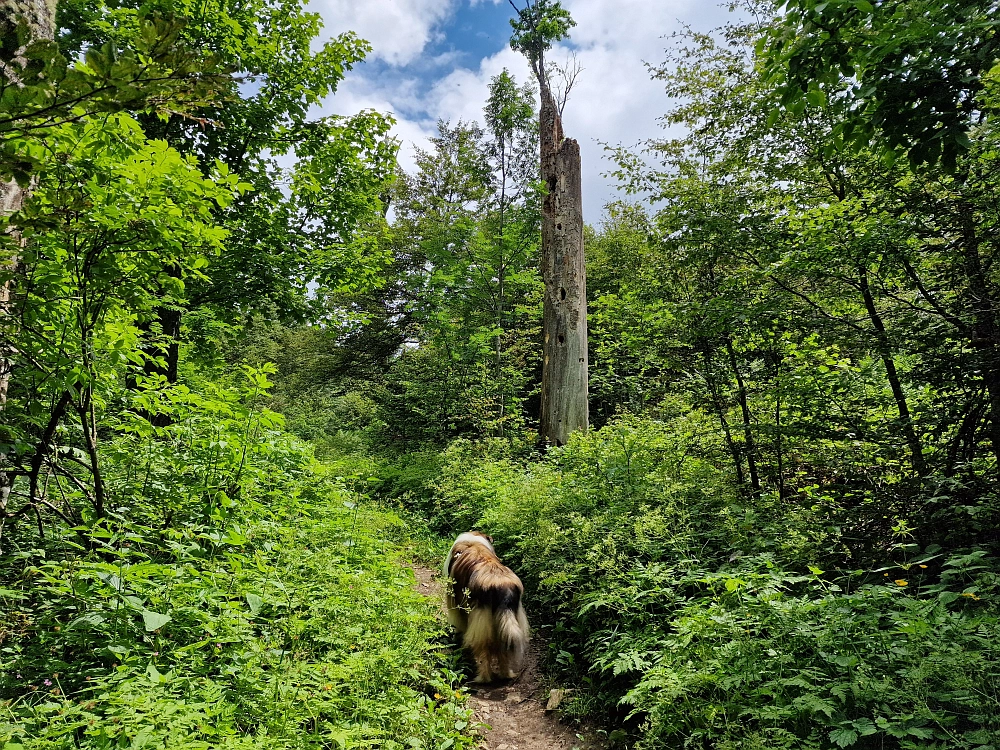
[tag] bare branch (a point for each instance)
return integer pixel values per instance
(565, 76)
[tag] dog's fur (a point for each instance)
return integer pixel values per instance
(483, 601)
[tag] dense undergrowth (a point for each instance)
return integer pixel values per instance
(693, 616)
(238, 594)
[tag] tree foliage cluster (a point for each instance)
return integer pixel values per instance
(783, 530)
(445, 344)
(175, 569)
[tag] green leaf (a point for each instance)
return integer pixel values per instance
(255, 603)
(865, 727)
(844, 737)
(154, 620)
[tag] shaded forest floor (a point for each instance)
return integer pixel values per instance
(514, 711)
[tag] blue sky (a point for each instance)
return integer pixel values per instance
(432, 59)
(477, 31)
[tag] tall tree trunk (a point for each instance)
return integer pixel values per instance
(986, 334)
(564, 358)
(748, 439)
(885, 352)
(777, 443)
(720, 412)
(40, 17)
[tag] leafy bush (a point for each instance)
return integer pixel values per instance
(238, 594)
(692, 615)
(755, 657)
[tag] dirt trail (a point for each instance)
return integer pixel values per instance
(515, 710)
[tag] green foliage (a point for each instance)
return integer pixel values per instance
(804, 664)
(315, 225)
(822, 322)
(44, 89)
(782, 533)
(538, 24)
(114, 220)
(690, 615)
(176, 569)
(238, 595)
(916, 73)
(466, 233)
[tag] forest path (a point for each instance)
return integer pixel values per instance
(515, 710)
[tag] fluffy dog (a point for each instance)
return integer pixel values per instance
(483, 601)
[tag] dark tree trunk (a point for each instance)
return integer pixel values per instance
(170, 323)
(564, 362)
(748, 439)
(720, 412)
(779, 458)
(885, 352)
(986, 336)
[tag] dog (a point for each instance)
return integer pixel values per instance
(483, 602)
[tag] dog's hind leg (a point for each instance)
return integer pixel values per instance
(484, 670)
(481, 640)
(509, 663)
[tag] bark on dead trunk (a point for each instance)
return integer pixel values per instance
(564, 363)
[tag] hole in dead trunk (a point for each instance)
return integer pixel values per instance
(558, 226)
(562, 293)
(562, 339)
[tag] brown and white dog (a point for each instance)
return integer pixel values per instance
(483, 601)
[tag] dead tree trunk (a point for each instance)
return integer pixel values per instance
(564, 362)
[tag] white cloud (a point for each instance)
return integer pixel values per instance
(614, 100)
(398, 30)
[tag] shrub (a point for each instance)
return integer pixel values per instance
(694, 616)
(239, 595)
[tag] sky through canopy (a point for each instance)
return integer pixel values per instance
(432, 59)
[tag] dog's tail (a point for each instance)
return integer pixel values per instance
(512, 634)
(512, 628)
(505, 627)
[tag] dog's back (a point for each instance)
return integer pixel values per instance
(484, 603)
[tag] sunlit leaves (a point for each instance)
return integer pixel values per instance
(118, 225)
(538, 24)
(913, 75)
(155, 73)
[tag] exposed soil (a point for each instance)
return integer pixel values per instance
(513, 709)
